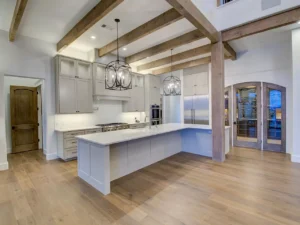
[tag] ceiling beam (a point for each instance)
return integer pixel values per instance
(178, 57)
(181, 66)
(184, 65)
(187, 9)
(17, 17)
(261, 25)
(98, 12)
(151, 26)
(173, 43)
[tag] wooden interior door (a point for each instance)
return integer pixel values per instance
(274, 106)
(24, 118)
(247, 115)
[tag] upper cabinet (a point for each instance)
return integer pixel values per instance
(154, 90)
(84, 70)
(99, 90)
(196, 84)
(73, 86)
(136, 102)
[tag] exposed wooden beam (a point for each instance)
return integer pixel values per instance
(17, 17)
(178, 57)
(184, 65)
(151, 26)
(229, 52)
(217, 99)
(261, 25)
(98, 12)
(193, 14)
(173, 43)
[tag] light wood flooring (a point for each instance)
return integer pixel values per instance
(251, 187)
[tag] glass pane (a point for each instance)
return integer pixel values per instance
(274, 116)
(226, 108)
(246, 114)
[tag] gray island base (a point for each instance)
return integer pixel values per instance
(104, 157)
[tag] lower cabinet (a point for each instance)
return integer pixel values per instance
(67, 143)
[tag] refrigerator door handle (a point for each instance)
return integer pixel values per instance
(194, 116)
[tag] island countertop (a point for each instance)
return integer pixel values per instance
(114, 137)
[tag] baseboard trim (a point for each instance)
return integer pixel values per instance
(295, 158)
(51, 156)
(3, 166)
(8, 150)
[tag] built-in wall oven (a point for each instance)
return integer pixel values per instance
(156, 114)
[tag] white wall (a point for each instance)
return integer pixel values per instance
(238, 11)
(14, 81)
(3, 155)
(271, 65)
(28, 57)
(105, 111)
(296, 96)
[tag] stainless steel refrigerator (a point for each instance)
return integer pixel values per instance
(196, 109)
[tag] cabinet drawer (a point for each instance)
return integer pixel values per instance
(70, 143)
(71, 153)
(93, 131)
(73, 134)
(136, 126)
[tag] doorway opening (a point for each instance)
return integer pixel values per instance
(259, 116)
(23, 114)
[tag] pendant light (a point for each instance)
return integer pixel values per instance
(172, 84)
(118, 73)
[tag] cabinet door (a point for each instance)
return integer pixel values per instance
(84, 70)
(84, 96)
(66, 67)
(139, 99)
(99, 72)
(201, 81)
(154, 96)
(67, 95)
(99, 87)
(154, 82)
(189, 85)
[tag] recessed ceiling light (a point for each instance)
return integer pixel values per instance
(93, 37)
(124, 49)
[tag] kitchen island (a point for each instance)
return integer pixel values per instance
(104, 157)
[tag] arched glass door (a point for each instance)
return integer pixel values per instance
(274, 118)
(247, 115)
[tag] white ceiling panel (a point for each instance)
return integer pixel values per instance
(132, 14)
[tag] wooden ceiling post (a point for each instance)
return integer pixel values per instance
(217, 101)
(17, 17)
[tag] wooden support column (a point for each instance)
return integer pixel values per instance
(217, 101)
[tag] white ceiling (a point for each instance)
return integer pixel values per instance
(50, 20)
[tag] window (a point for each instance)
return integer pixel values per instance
(222, 2)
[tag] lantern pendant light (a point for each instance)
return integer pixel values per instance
(172, 84)
(118, 73)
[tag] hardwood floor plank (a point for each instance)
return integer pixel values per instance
(250, 187)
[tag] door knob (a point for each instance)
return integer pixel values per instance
(234, 123)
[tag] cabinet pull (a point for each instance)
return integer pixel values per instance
(74, 142)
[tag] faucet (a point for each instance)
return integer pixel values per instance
(136, 120)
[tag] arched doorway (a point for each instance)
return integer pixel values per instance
(258, 116)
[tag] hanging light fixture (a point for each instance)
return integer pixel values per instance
(118, 73)
(172, 84)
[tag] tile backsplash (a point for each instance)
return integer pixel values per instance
(105, 111)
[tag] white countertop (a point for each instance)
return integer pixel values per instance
(67, 129)
(113, 137)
